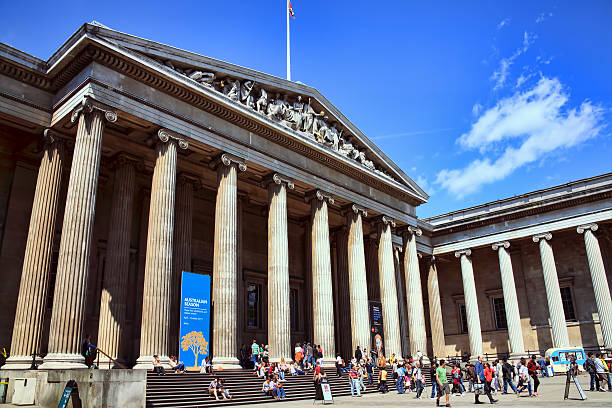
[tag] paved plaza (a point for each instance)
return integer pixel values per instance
(551, 395)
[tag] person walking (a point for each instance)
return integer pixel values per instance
(508, 375)
(358, 354)
(607, 371)
(354, 381)
(442, 382)
(255, 353)
(482, 382)
(370, 371)
(435, 392)
(419, 380)
(399, 375)
(498, 377)
(524, 379)
(589, 366)
(471, 376)
(532, 368)
(600, 371)
(382, 380)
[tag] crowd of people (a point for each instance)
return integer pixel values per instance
(448, 378)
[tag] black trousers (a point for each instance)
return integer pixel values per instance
(536, 382)
(487, 390)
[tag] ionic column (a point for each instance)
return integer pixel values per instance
(66, 330)
(388, 288)
(471, 302)
(225, 263)
(181, 257)
(435, 310)
(600, 282)
(416, 311)
(322, 295)
(513, 318)
(155, 326)
(360, 321)
(403, 316)
(553, 292)
(279, 324)
(113, 298)
(29, 316)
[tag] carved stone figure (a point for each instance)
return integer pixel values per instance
(346, 147)
(262, 102)
(364, 160)
(204, 78)
(245, 94)
(333, 137)
(298, 114)
(276, 109)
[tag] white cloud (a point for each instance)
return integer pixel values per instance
(503, 23)
(543, 17)
(476, 109)
(524, 127)
(424, 184)
(501, 74)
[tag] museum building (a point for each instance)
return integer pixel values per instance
(125, 162)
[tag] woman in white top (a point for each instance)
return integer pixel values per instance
(524, 379)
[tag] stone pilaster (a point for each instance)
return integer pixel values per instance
(388, 288)
(279, 323)
(360, 321)
(553, 292)
(181, 258)
(322, 295)
(29, 316)
(435, 310)
(403, 316)
(114, 292)
(600, 282)
(513, 317)
(225, 263)
(65, 334)
(471, 302)
(155, 326)
(416, 311)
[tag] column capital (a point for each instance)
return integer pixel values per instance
(227, 159)
(385, 220)
(356, 209)
(466, 252)
(188, 178)
(122, 158)
(87, 106)
(546, 235)
(583, 228)
(51, 136)
(279, 179)
(497, 245)
(410, 230)
(166, 135)
(319, 195)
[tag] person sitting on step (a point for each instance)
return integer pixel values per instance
(157, 366)
(212, 388)
(206, 366)
(177, 366)
(222, 390)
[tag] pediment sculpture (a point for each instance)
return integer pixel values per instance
(296, 114)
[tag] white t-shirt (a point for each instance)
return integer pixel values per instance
(339, 360)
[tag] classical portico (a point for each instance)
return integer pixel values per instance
(137, 161)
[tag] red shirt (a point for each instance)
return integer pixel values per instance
(488, 372)
(353, 373)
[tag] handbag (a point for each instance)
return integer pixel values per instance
(479, 389)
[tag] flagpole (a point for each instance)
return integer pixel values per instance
(288, 47)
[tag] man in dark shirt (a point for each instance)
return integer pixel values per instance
(358, 354)
(508, 374)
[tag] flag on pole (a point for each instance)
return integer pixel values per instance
(291, 13)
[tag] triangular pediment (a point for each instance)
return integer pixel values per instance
(298, 108)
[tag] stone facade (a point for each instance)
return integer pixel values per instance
(154, 172)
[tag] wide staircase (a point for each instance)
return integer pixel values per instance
(191, 389)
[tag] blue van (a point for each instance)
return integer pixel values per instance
(560, 358)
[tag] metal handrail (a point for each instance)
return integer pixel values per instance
(110, 359)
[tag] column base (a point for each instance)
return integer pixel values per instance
(20, 363)
(146, 362)
(517, 355)
(60, 361)
(226, 363)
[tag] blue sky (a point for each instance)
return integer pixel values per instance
(475, 100)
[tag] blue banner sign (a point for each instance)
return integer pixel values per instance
(195, 319)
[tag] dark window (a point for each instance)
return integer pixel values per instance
(499, 310)
(568, 304)
(294, 309)
(463, 317)
(254, 306)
